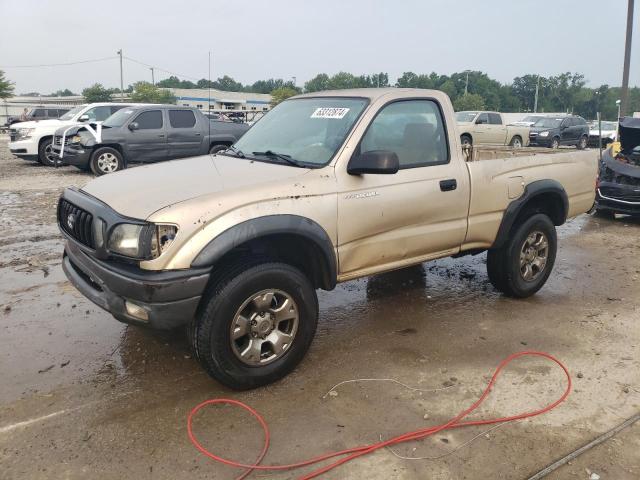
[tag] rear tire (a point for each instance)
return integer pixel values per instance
(106, 160)
(516, 142)
(255, 323)
(523, 264)
(582, 143)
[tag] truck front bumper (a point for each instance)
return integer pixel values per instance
(164, 300)
(25, 149)
(74, 155)
(618, 198)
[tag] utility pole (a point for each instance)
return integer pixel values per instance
(624, 97)
(153, 78)
(535, 100)
(119, 52)
(466, 84)
(295, 80)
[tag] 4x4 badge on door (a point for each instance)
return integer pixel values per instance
(372, 193)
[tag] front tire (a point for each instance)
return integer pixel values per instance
(555, 143)
(106, 160)
(217, 148)
(255, 324)
(522, 266)
(45, 153)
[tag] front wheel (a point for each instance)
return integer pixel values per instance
(46, 156)
(217, 148)
(555, 143)
(522, 266)
(255, 324)
(106, 160)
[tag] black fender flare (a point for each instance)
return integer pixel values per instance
(266, 226)
(531, 191)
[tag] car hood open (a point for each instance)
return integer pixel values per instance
(140, 191)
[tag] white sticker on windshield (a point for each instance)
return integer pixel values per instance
(330, 112)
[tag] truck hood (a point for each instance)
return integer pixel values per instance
(140, 191)
(38, 123)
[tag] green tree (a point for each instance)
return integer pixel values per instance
(145, 92)
(175, 82)
(96, 93)
(470, 101)
(318, 83)
(281, 94)
(6, 87)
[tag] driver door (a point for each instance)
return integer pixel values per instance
(482, 129)
(420, 212)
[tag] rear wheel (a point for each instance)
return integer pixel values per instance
(46, 156)
(582, 143)
(255, 324)
(106, 160)
(522, 266)
(516, 142)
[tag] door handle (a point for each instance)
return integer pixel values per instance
(161, 135)
(448, 185)
(197, 134)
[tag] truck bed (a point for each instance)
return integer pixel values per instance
(487, 152)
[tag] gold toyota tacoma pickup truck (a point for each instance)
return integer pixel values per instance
(327, 187)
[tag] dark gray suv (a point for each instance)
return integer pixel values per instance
(554, 132)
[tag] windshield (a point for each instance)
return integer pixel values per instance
(119, 118)
(308, 130)
(72, 113)
(548, 123)
(531, 118)
(465, 116)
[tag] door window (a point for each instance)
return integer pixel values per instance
(38, 113)
(413, 129)
(483, 118)
(182, 118)
(495, 119)
(149, 120)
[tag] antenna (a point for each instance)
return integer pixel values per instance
(209, 98)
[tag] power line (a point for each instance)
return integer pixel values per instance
(59, 64)
(161, 69)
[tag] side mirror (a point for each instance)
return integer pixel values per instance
(375, 161)
(480, 121)
(564, 127)
(133, 126)
(83, 118)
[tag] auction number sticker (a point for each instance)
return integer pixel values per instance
(330, 112)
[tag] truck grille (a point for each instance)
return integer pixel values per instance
(57, 140)
(620, 194)
(13, 135)
(76, 222)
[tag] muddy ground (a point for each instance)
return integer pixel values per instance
(83, 396)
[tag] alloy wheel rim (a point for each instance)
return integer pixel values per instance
(49, 154)
(264, 327)
(517, 143)
(107, 163)
(533, 256)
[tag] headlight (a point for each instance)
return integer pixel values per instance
(544, 134)
(24, 133)
(162, 238)
(76, 139)
(129, 240)
(141, 242)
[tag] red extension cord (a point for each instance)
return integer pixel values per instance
(355, 452)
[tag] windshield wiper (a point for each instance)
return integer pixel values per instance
(238, 153)
(281, 156)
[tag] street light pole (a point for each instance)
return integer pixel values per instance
(535, 100)
(624, 97)
(119, 52)
(466, 84)
(153, 79)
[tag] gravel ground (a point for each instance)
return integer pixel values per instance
(83, 396)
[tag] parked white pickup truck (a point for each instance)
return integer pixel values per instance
(489, 128)
(32, 140)
(326, 187)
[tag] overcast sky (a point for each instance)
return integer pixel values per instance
(253, 40)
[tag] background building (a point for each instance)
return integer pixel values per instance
(221, 101)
